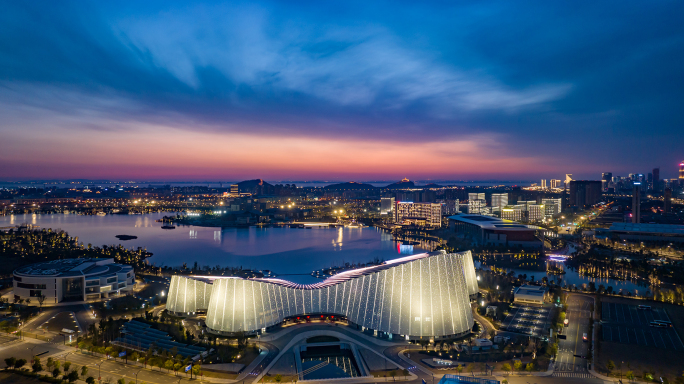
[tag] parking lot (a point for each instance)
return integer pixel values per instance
(527, 320)
(622, 323)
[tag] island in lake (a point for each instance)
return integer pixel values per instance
(126, 237)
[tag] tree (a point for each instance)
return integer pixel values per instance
(20, 363)
(506, 367)
(529, 367)
(121, 381)
(56, 372)
(177, 367)
(10, 361)
(168, 365)
(82, 345)
(278, 378)
(50, 362)
(459, 368)
(72, 376)
(393, 374)
(37, 366)
(405, 372)
(610, 365)
(90, 380)
(517, 365)
(84, 370)
(135, 356)
(41, 300)
(196, 369)
(629, 375)
(67, 365)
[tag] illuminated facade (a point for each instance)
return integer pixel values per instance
(188, 296)
(681, 171)
(425, 295)
(422, 214)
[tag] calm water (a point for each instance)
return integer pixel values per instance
(282, 250)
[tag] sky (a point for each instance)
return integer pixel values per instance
(371, 90)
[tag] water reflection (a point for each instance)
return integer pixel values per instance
(282, 250)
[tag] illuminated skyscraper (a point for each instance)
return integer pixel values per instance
(555, 183)
(476, 203)
(499, 200)
(543, 184)
(636, 203)
(681, 171)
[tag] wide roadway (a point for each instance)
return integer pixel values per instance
(578, 313)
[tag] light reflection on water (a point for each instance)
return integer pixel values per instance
(282, 250)
(573, 277)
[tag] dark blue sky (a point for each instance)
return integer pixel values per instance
(365, 90)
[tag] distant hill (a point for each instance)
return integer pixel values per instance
(256, 187)
(405, 183)
(348, 186)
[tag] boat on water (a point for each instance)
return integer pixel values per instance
(168, 227)
(126, 237)
(102, 214)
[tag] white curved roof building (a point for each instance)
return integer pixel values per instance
(416, 296)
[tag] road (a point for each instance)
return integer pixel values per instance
(569, 362)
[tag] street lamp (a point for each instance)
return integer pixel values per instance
(136, 376)
(99, 371)
(65, 356)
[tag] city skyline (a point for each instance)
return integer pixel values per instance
(361, 91)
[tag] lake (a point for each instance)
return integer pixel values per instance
(292, 253)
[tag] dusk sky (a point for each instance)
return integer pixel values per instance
(371, 90)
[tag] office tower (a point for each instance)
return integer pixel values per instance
(420, 214)
(605, 178)
(514, 213)
(668, 200)
(499, 200)
(555, 183)
(568, 179)
(535, 212)
(234, 189)
(386, 205)
(656, 179)
(476, 201)
(636, 203)
(543, 184)
(552, 207)
(450, 206)
(681, 172)
(585, 193)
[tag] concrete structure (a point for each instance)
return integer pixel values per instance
(420, 214)
(424, 295)
(476, 203)
(530, 294)
(585, 193)
(386, 205)
(486, 230)
(636, 203)
(499, 200)
(72, 280)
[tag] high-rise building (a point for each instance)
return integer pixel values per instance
(636, 203)
(476, 202)
(543, 184)
(668, 200)
(555, 183)
(420, 214)
(656, 179)
(386, 205)
(235, 190)
(568, 179)
(681, 171)
(585, 193)
(499, 200)
(552, 207)
(605, 178)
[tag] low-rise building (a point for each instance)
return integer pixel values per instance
(487, 230)
(421, 214)
(530, 294)
(73, 280)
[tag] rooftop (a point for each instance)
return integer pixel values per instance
(494, 223)
(70, 267)
(648, 228)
